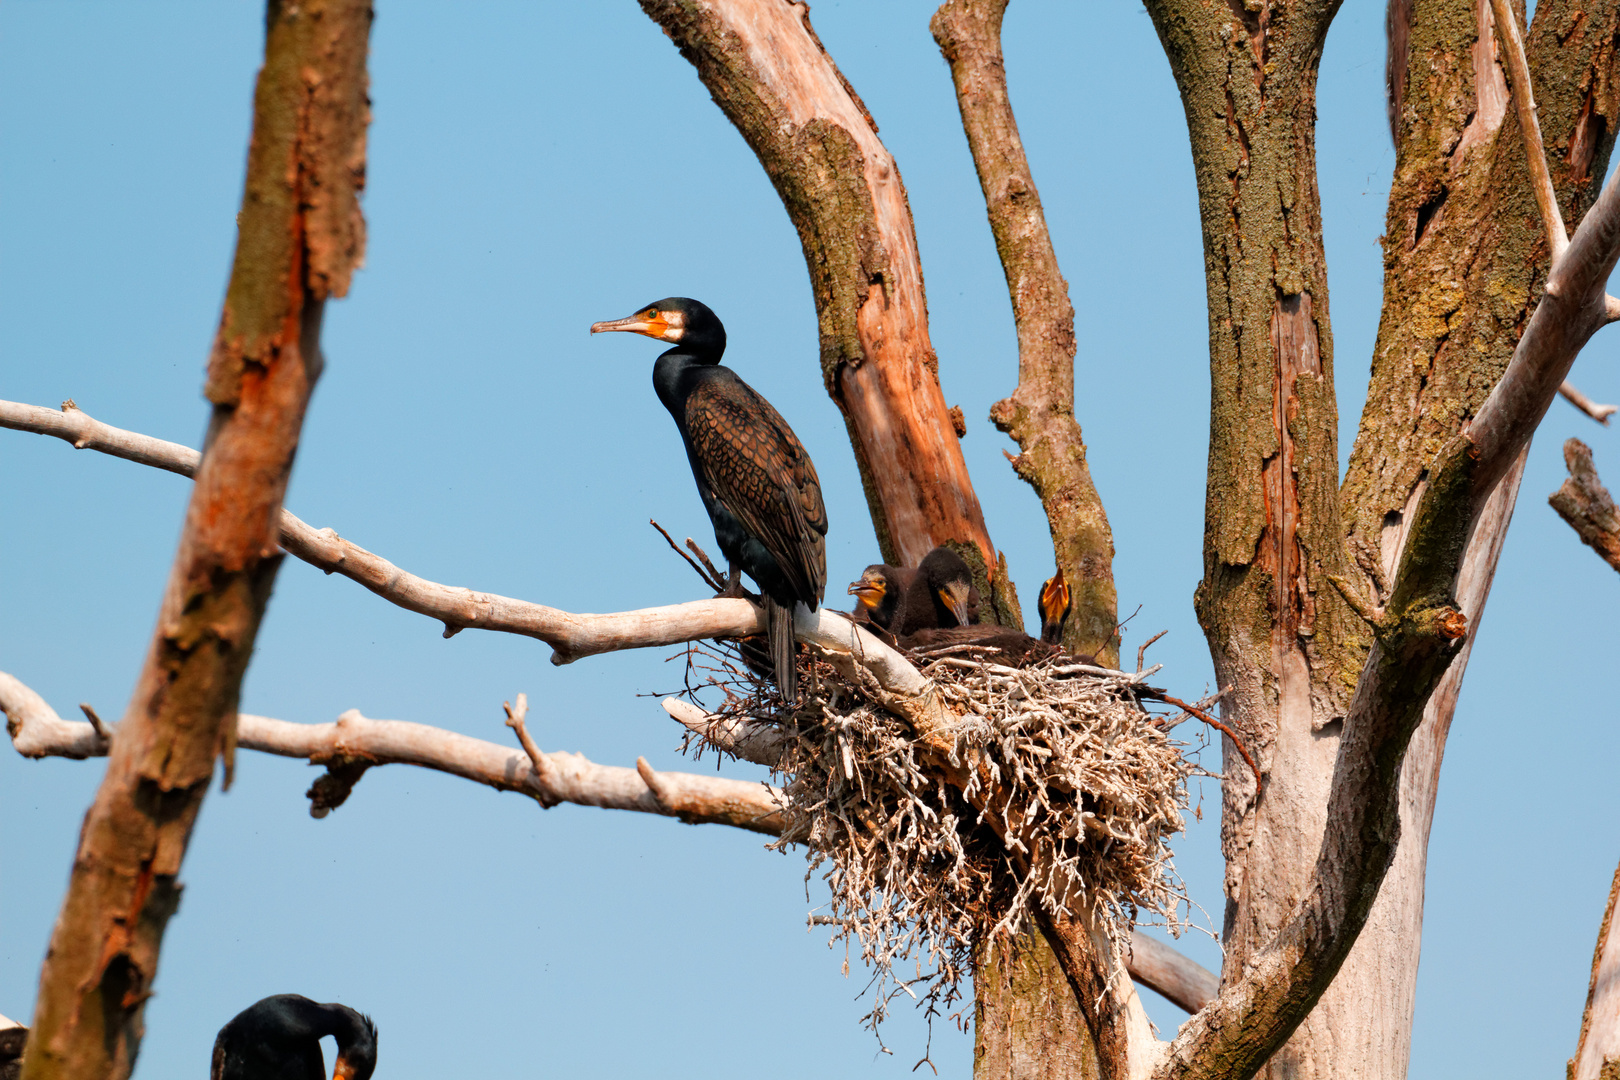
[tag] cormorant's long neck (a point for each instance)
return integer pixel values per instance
(674, 373)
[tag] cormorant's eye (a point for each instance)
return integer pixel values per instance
(652, 313)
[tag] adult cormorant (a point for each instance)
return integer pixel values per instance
(879, 592)
(753, 474)
(1054, 607)
(279, 1038)
(941, 594)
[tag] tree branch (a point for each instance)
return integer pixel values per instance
(1598, 1050)
(1039, 414)
(1524, 99)
(1585, 503)
(770, 75)
(1572, 394)
(354, 740)
(300, 237)
(571, 636)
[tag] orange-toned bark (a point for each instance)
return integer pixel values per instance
(300, 238)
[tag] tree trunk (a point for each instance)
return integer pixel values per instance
(770, 75)
(301, 235)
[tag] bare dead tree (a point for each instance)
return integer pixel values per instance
(301, 235)
(1339, 614)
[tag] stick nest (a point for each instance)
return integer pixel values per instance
(916, 872)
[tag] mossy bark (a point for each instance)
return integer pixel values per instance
(300, 237)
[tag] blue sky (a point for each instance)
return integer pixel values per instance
(534, 168)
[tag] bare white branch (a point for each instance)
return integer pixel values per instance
(1507, 25)
(753, 740)
(356, 741)
(1600, 413)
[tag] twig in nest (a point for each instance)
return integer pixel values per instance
(95, 721)
(1214, 723)
(716, 582)
(1143, 650)
(515, 715)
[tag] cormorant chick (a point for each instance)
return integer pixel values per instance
(879, 593)
(941, 594)
(1054, 606)
(753, 474)
(279, 1038)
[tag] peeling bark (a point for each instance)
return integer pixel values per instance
(769, 74)
(300, 237)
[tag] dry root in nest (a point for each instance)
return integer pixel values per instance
(915, 872)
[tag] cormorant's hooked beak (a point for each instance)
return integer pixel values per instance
(955, 596)
(663, 325)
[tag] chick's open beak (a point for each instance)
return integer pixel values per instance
(869, 593)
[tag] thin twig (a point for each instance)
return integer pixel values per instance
(515, 716)
(1507, 29)
(1600, 413)
(703, 557)
(1143, 650)
(1214, 723)
(714, 583)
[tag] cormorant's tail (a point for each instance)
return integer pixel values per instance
(779, 629)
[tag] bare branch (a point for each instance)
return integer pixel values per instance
(758, 741)
(549, 779)
(1574, 308)
(1571, 394)
(1162, 969)
(1507, 25)
(571, 636)
(1039, 414)
(1598, 1050)
(1585, 503)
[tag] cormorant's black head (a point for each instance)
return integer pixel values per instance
(357, 1048)
(1054, 605)
(951, 584)
(679, 321)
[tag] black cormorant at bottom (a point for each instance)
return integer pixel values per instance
(753, 474)
(279, 1038)
(940, 594)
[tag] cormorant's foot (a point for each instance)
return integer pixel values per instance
(734, 589)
